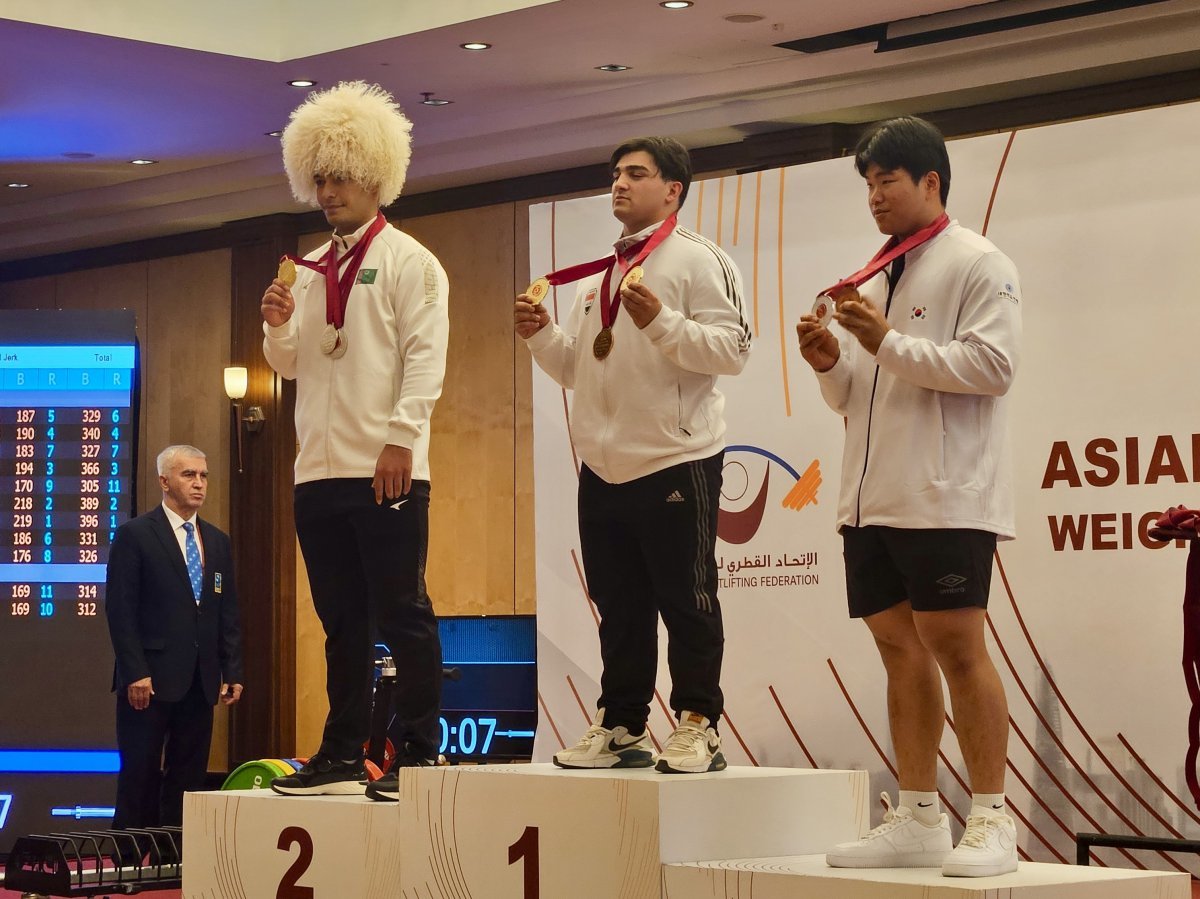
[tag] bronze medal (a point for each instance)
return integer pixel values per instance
(537, 291)
(603, 343)
(339, 348)
(329, 339)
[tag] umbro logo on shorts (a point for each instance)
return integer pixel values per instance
(676, 497)
(951, 580)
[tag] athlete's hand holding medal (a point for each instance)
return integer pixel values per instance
(278, 303)
(529, 315)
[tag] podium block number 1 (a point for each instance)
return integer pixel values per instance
(525, 848)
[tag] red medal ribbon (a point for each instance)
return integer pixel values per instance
(337, 291)
(890, 251)
(639, 252)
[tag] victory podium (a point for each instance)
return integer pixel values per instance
(539, 832)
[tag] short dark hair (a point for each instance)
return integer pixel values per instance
(671, 157)
(908, 143)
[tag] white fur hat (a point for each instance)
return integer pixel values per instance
(354, 130)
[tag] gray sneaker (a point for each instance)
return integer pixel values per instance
(602, 747)
(694, 747)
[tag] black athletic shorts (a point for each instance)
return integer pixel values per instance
(934, 569)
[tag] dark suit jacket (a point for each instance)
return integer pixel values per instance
(157, 628)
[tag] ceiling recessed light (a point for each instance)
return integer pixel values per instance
(274, 133)
(17, 185)
(476, 45)
(431, 100)
(79, 155)
(143, 161)
(744, 18)
(302, 82)
(613, 67)
(675, 4)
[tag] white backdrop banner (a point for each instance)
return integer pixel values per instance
(1085, 616)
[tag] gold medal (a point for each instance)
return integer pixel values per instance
(287, 272)
(329, 339)
(603, 343)
(339, 348)
(633, 276)
(537, 291)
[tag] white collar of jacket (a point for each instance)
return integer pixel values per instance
(345, 243)
(624, 243)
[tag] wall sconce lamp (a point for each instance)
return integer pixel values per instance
(236, 382)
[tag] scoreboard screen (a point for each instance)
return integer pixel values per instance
(67, 473)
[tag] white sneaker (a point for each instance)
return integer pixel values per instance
(988, 847)
(602, 747)
(694, 747)
(901, 841)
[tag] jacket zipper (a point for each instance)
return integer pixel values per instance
(887, 308)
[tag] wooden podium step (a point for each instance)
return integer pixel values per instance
(808, 877)
(519, 831)
(255, 844)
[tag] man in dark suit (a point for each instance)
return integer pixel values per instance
(173, 619)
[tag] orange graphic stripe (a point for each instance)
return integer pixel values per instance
(804, 491)
(700, 207)
(587, 717)
(557, 317)
(720, 207)
(583, 586)
(996, 184)
(757, 219)
(788, 721)
(737, 210)
(1050, 731)
(1157, 780)
(787, 397)
(550, 718)
(738, 737)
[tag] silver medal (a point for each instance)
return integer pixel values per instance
(339, 349)
(329, 340)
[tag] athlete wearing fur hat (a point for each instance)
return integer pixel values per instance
(363, 331)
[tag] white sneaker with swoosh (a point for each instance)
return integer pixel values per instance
(694, 747)
(602, 747)
(988, 848)
(901, 841)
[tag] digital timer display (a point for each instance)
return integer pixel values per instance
(489, 706)
(67, 459)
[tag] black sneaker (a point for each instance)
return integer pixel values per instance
(322, 776)
(387, 788)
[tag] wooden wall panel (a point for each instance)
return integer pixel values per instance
(524, 580)
(33, 293)
(472, 455)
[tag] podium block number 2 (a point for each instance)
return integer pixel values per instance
(525, 848)
(288, 888)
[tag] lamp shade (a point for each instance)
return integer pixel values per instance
(235, 381)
